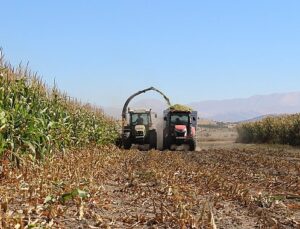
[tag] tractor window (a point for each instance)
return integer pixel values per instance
(140, 119)
(180, 119)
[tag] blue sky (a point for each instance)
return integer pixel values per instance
(103, 51)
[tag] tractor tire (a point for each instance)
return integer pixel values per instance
(127, 144)
(153, 140)
(167, 143)
(118, 142)
(193, 144)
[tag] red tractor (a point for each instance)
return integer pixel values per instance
(180, 128)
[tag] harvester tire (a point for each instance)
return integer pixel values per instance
(167, 143)
(127, 144)
(192, 144)
(118, 142)
(152, 140)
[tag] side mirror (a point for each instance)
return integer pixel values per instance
(165, 118)
(194, 119)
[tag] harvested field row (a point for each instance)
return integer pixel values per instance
(111, 188)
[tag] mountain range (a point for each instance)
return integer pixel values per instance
(229, 110)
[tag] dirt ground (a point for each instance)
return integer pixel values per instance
(223, 185)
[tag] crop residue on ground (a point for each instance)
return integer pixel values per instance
(112, 188)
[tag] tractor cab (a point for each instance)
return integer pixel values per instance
(180, 128)
(140, 117)
(140, 122)
(140, 128)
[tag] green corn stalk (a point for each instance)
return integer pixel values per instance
(276, 130)
(36, 120)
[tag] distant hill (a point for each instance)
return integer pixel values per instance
(235, 110)
(112, 111)
(230, 110)
(259, 118)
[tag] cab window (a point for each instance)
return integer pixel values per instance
(179, 119)
(140, 119)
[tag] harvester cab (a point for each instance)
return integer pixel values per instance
(180, 128)
(140, 129)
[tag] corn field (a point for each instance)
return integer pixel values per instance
(37, 120)
(275, 130)
(84, 181)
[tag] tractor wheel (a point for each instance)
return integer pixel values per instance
(152, 140)
(167, 143)
(127, 144)
(192, 144)
(118, 142)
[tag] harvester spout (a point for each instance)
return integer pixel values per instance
(138, 93)
(163, 95)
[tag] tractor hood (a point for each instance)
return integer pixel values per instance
(140, 128)
(140, 131)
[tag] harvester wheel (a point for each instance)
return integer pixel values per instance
(192, 145)
(152, 140)
(127, 144)
(167, 143)
(118, 142)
